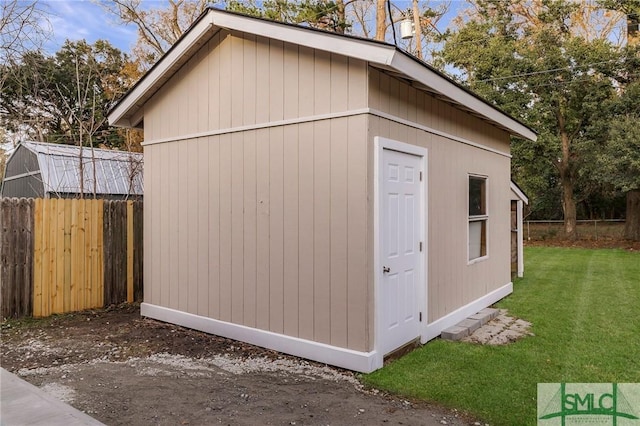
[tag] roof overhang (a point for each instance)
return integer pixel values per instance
(519, 193)
(128, 112)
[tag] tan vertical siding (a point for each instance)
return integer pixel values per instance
(291, 232)
(395, 97)
(237, 227)
(338, 230)
(226, 231)
(275, 237)
(291, 76)
(213, 62)
(305, 227)
(276, 230)
(263, 256)
(321, 230)
(452, 282)
(276, 80)
(192, 216)
(202, 236)
(359, 243)
(214, 226)
(181, 265)
(227, 78)
(250, 226)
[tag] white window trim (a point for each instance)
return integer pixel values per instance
(478, 218)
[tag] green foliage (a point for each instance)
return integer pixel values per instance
(538, 70)
(582, 304)
(65, 97)
(619, 163)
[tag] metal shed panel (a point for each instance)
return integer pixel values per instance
(25, 186)
(21, 161)
(116, 172)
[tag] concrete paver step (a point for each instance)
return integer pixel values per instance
(467, 326)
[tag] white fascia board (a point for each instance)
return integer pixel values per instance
(519, 193)
(128, 106)
(446, 88)
(359, 49)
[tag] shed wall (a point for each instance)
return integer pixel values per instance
(400, 99)
(21, 161)
(240, 79)
(452, 281)
(256, 218)
(26, 186)
(263, 227)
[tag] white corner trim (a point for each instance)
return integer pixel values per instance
(519, 193)
(434, 329)
(519, 237)
(364, 362)
(269, 124)
(428, 129)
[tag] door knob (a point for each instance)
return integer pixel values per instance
(385, 269)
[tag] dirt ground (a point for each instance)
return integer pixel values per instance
(126, 370)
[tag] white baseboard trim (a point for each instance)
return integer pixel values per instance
(364, 362)
(434, 329)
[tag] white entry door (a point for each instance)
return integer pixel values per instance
(401, 257)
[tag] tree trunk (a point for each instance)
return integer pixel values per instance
(567, 181)
(417, 28)
(632, 222)
(568, 206)
(381, 20)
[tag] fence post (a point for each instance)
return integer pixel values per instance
(130, 251)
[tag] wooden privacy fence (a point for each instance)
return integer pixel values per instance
(64, 255)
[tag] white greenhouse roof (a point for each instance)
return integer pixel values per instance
(116, 172)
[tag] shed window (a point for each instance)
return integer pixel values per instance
(478, 217)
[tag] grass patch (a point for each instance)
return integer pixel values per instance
(585, 309)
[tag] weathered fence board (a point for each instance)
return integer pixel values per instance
(115, 238)
(16, 254)
(138, 246)
(63, 255)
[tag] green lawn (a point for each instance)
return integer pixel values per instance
(585, 310)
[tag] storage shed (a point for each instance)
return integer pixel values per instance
(49, 170)
(322, 195)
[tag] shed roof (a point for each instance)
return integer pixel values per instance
(519, 193)
(128, 112)
(116, 172)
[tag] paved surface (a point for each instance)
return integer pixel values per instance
(21, 403)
